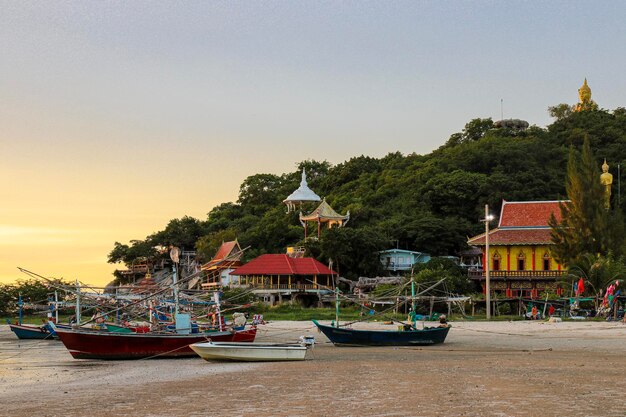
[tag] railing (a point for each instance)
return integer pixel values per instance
(297, 287)
(531, 275)
(139, 268)
(392, 266)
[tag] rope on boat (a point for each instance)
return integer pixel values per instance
(165, 353)
(383, 312)
(376, 314)
(147, 297)
(286, 331)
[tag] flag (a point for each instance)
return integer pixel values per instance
(581, 286)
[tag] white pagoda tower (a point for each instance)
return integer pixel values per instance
(301, 195)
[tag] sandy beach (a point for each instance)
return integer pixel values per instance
(483, 369)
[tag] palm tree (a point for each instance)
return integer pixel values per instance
(597, 271)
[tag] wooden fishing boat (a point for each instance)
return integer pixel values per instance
(25, 331)
(249, 352)
(343, 336)
(86, 344)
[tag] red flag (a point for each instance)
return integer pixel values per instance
(581, 286)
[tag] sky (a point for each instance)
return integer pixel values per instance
(116, 117)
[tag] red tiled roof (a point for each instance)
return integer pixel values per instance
(280, 264)
(229, 250)
(514, 237)
(528, 213)
(225, 250)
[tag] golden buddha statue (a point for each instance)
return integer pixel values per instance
(606, 179)
(584, 93)
(584, 98)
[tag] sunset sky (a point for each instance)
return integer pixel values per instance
(116, 117)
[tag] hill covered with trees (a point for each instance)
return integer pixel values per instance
(429, 203)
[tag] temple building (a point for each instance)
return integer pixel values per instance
(279, 276)
(323, 214)
(520, 261)
(225, 260)
(146, 286)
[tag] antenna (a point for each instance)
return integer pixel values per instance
(501, 109)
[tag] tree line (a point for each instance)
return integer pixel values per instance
(429, 203)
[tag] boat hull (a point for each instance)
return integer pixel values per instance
(105, 345)
(349, 337)
(249, 352)
(32, 332)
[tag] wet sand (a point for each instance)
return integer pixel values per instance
(483, 369)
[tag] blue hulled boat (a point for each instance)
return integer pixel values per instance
(33, 332)
(343, 336)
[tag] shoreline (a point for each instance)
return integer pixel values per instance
(484, 368)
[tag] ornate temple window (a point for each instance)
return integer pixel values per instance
(546, 261)
(521, 261)
(496, 261)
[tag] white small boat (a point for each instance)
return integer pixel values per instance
(249, 352)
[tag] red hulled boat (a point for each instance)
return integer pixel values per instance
(86, 344)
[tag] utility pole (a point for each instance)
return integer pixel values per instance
(487, 286)
(77, 303)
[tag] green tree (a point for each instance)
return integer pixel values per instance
(31, 290)
(428, 203)
(183, 232)
(457, 281)
(586, 227)
(560, 111)
(207, 245)
(597, 271)
(475, 129)
(258, 193)
(7, 299)
(138, 249)
(354, 252)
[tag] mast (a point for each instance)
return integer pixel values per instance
(337, 307)
(20, 304)
(174, 256)
(412, 291)
(175, 284)
(413, 298)
(216, 297)
(77, 303)
(56, 306)
(117, 305)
